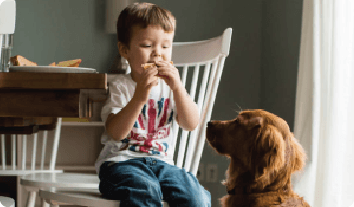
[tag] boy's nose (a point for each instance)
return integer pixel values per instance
(157, 51)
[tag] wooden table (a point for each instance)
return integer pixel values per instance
(30, 102)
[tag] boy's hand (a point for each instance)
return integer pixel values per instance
(169, 74)
(146, 81)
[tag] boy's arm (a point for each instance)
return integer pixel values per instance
(187, 110)
(119, 125)
(188, 113)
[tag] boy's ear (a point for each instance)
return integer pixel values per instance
(123, 50)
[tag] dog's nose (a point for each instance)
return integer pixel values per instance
(209, 124)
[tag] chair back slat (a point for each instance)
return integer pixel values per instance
(28, 152)
(184, 74)
(203, 86)
(194, 81)
(44, 148)
(3, 151)
(34, 151)
(24, 152)
(55, 145)
(181, 149)
(13, 145)
(175, 129)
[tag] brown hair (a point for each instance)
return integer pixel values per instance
(143, 14)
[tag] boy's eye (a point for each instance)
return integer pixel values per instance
(147, 46)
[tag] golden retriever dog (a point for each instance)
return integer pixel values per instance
(263, 154)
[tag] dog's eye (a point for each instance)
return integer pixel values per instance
(236, 121)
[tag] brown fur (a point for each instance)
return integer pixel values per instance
(264, 154)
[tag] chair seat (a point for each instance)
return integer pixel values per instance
(36, 181)
(65, 180)
(86, 197)
(7, 202)
(25, 172)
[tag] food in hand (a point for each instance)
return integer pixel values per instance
(148, 65)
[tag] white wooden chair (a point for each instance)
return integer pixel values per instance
(206, 56)
(41, 181)
(19, 156)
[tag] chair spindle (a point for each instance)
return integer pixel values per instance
(3, 152)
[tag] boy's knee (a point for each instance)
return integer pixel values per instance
(134, 185)
(196, 199)
(201, 200)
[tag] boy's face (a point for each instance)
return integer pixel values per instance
(147, 45)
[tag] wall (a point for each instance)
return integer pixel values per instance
(259, 73)
(281, 31)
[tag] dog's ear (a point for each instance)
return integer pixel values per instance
(268, 153)
(298, 153)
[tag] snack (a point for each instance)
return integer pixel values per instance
(19, 60)
(69, 63)
(148, 65)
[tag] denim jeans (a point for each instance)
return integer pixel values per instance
(146, 181)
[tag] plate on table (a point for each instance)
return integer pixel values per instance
(50, 69)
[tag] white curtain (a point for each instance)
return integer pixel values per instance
(324, 114)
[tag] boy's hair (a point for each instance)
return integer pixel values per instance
(143, 14)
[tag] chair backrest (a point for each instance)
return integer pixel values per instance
(205, 57)
(28, 153)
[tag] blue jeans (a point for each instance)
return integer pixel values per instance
(146, 181)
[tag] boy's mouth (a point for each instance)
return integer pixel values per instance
(148, 65)
(151, 64)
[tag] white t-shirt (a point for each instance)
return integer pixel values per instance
(151, 135)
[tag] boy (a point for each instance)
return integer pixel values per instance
(136, 165)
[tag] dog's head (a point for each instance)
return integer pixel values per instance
(259, 142)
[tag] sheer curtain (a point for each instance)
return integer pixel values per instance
(324, 114)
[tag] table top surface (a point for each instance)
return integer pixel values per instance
(29, 80)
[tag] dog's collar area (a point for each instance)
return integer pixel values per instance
(242, 190)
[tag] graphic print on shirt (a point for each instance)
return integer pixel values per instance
(153, 125)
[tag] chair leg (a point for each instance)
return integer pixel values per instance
(44, 203)
(31, 200)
